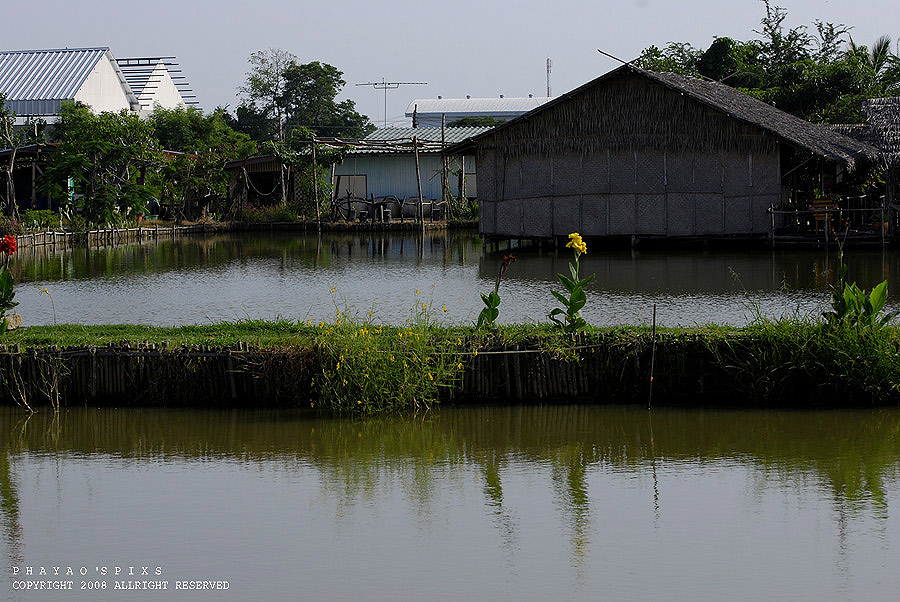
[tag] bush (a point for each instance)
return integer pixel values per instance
(10, 225)
(40, 219)
(277, 213)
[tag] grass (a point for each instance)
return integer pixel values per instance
(362, 366)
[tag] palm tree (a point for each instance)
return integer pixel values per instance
(879, 62)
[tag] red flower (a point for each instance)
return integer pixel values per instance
(8, 244)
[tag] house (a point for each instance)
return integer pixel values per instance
(384, 164)
(153, 82)
(429, 112)
(36, 82)
(636, 153)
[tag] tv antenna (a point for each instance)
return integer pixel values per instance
(386, 85)
(549, 67)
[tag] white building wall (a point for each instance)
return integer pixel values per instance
(396, 174)
(103, 90)
(160, 90)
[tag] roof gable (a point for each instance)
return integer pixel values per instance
(36, 82)
(722, 99)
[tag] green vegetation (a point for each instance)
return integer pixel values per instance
(360, 366)
(821, 77)
(571, 316)
(195, 179)
(490, 313)
(281, 94)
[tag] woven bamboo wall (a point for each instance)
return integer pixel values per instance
(631, 158)
(622, 193)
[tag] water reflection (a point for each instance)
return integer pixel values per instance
(526, 491)
(217, 277)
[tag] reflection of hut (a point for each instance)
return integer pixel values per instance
(639, 153)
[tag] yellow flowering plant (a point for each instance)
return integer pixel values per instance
(569, 319)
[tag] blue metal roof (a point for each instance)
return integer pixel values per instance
(452, 135)
(35, 82)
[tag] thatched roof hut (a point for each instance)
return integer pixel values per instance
(636, 152)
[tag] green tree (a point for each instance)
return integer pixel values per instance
(197, 177)
(264, 90)
(12, 139)
(108, 157)
(309, 97)
(809, 75)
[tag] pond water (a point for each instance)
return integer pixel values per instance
(489, 503)
(203, 279)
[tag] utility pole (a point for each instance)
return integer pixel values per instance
(386, 85)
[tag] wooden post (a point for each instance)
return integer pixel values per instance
(461, 183)
(315, 177)
(445, 167)
(421, 208)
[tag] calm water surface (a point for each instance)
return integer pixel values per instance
(509, 503)
(196, 280)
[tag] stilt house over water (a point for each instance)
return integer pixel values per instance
(646, 154)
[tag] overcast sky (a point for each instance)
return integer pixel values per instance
(474, 47)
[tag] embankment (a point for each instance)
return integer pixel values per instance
(360, 368)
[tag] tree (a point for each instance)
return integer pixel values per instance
(265, 86)
(281, 94)
(12, 139)
(207, 142)
(309, 96)
(808, 75)
(107, 156)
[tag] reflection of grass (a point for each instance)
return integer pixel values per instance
(852, 451)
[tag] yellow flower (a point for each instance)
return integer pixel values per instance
(576, 242)
(430, 377)
(475, 352)
(333, 289)
(424, 306)
(417, 292)
(459, 365)
(444, 307)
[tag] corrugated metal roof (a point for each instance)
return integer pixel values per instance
(429, 134)
(35, 82)
(475, 105)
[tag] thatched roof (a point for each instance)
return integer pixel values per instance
(883, 116)
(722, 99)
(881, 130)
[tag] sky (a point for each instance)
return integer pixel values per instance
(481, 48)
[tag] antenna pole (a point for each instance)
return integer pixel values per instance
(386, 85)
(549, 66)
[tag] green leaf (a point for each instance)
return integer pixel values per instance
(494, 299)
(878, 297)
(578, 301)
(570, 285)
(562, 299)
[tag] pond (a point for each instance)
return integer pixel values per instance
(204, 279)
(488, 503)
